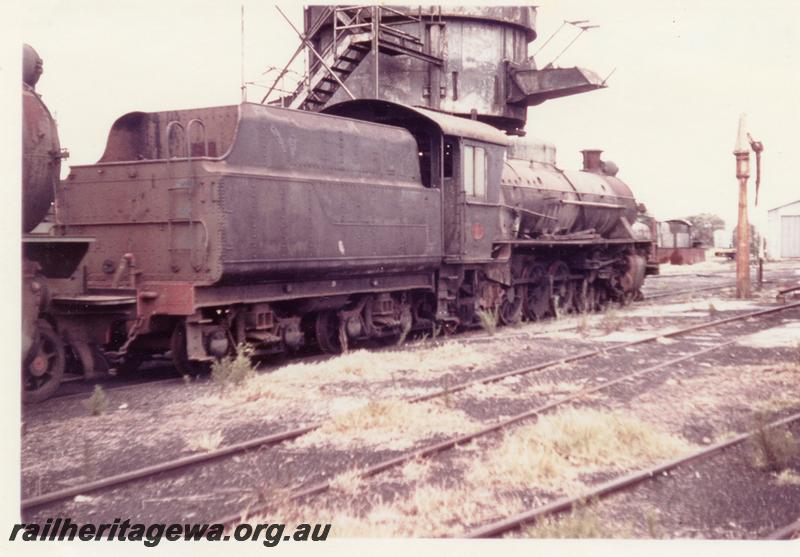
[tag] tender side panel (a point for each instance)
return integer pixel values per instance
(310, 192)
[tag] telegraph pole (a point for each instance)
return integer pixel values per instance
(742, 153)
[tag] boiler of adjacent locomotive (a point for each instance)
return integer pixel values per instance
(549, 201)
(41, 151)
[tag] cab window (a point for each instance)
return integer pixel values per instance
(474, 171)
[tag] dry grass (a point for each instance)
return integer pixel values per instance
(488, 320)
(417, 470)
(772, 447)
(234, 370)
(389, 424)
(553, 452)
(582, 522)
(707, 397)
(348, 482)
(788, 477)
(204, 441)
(426, 511)
(611, 321)
(97, 403)
(367, 370)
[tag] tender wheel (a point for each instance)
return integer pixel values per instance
(326, 330)
(44, 368)
(180, 359)
(87, 359)
(511, 306)
(129, 364)
(537, 296)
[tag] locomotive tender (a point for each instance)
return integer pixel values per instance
(270, 226)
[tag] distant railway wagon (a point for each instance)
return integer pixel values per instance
(676, 243)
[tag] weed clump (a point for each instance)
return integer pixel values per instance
(488, 320)
(611, 321)
(581, 523)
(98, 402)
(204, 442)
(773, 447)
(235, 369)
(583, 325)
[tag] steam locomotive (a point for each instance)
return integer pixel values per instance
(202, 229)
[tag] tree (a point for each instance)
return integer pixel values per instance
(754, 239)
(704, 226)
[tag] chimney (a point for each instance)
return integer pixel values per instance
(591, 160)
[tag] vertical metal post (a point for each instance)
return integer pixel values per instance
(376, 11)
(742, 154)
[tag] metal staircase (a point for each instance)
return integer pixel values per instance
(357, 32)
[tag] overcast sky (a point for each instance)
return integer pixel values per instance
(685, 70)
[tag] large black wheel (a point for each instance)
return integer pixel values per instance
(584, 296)
(511, 305)
(43, 369)
(326, 330)
(536, 300)
(562, 289)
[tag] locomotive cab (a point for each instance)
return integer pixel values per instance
(462, 158)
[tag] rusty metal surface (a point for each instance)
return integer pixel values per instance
(41, 159)
(474, 43)
(523, 17)
(681, 256)
(531, 86)
(295, 191)
(550, 200)
(140, 136)
(446, 123)
(478, 64)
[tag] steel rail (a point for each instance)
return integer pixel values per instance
(788, 532)
(280, 437)
(565, 503)
(591, 353)
(686, 291)
(159, 468)
(461, 439)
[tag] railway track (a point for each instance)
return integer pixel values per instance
(628, 481)
(274, 439)
(686, 291)
(788, 532)
(281, 437)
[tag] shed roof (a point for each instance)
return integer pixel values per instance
(784, 205)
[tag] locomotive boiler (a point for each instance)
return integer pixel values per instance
(59, 328)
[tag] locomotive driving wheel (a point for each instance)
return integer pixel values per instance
(536, 299)
(562, 289)
(584, 296)
(511, 305)
(43, 369)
